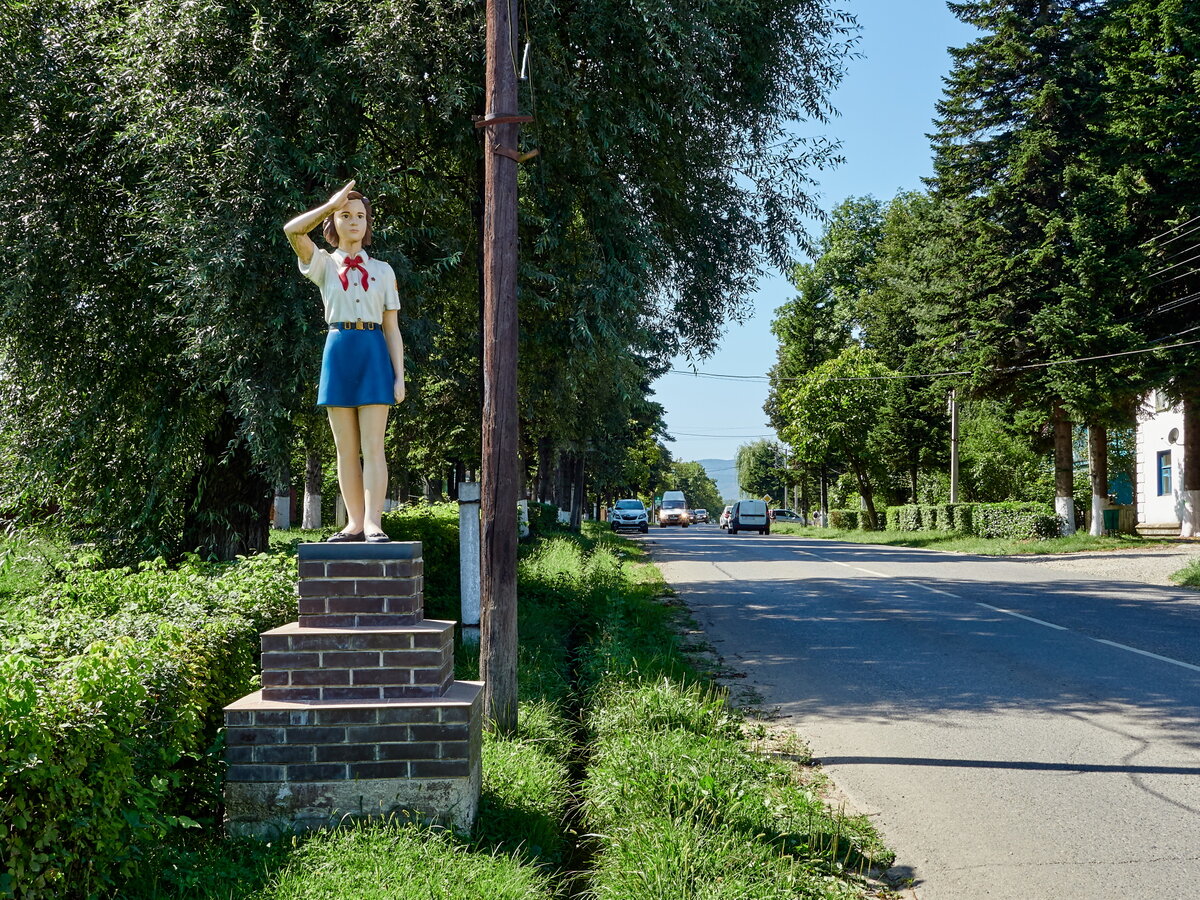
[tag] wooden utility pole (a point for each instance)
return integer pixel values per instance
(498, 557)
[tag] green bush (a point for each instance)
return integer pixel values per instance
(113, 686)
(929, 518)
(1015, 521)
(847, 519)
(543, 519)
(908, 518)
(435, 525)
(891, 518)
(962, 517)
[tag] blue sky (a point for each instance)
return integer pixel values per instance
(886, 105)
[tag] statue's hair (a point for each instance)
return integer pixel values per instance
(330, 231)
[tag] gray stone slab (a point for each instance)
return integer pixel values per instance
(323, 550)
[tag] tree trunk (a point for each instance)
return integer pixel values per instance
(824, 497)
(432, 488)
(544, 461)
(1098, 471)
(312, 490)
(1064, 471)
(1189, 519)
(231, 499)
(912, 474)
(868, 497)
(578, 484)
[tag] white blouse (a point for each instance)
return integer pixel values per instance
(346, 304)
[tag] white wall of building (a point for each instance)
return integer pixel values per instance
(1159, 430)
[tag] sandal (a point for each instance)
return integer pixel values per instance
(343, 537)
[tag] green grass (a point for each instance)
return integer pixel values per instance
(679, 803)
(628, 776)
(962, 543)
(1189, 575)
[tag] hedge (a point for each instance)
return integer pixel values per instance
(847, 519)
(1019, 521)
(111, 690)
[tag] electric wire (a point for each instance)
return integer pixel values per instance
(1174, 228)
(901, 376)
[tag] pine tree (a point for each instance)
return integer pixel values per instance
(1014, 153)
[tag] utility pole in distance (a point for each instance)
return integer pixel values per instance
(498, 557)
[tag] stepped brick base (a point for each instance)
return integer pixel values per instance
(299, 766)
(359, 714)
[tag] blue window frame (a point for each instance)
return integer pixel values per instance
(1164, 473)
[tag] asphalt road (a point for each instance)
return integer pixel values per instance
(1014, 731)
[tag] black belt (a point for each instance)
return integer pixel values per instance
(356, 325)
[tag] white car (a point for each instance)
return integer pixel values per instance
(749, 515)
(630, 514)
(786, 515)
(723, 521)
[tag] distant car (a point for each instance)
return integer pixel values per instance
(699, 515)
(629, 514)
(724, 520)
(749, 515)
(786, 515)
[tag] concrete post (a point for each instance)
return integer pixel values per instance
(283, 511)
(468, 557)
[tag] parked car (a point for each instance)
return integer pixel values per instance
(673, 510)
(786, 515)
(699, 515)
(723, 521)
(749, 515)
(629, 514)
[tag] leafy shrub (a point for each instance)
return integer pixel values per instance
(435, 525)
(113, 686)
(962, 517)
(844, 518)
(543, 519)
(929, 518)
(891, 518)
(1015, 521)
(908, 518)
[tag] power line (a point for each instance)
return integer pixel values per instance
(897, 376)
(1175, 228)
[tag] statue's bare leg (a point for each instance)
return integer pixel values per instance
(344, 422)
(372, 427)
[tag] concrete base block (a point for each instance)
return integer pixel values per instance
(268, 810)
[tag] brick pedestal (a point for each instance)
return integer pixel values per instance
(359, 714)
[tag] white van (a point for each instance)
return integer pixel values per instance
(749, 515)
(673, 510)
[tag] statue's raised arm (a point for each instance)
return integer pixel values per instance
(298, 228)
(362, 370)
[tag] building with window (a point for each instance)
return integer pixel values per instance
(1162, 504)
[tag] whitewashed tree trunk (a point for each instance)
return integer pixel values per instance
(312, 491)
(1064, 471)
(1098, 469)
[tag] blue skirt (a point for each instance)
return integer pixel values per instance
(356, 369)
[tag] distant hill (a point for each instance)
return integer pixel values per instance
(724, 473)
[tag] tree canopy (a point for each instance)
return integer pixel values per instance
(157, 147)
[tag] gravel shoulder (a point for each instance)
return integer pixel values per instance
(1151, 565)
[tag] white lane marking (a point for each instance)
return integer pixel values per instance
(927, 587)
(849, 566)
(1166, 659)
(1017, 615)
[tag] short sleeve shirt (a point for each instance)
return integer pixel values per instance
(346, 304)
